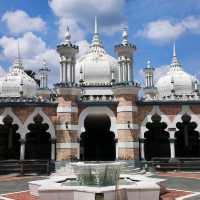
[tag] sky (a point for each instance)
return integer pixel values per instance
(153, 25)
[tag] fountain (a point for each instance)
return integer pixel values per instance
(96, 181)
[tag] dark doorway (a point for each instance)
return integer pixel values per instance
(187, 143)
(9, 140)
(156, 139)
(38, 140)
(97, 142)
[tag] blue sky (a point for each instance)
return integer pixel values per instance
(153, 27)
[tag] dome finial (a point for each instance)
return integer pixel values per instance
(67, 36)
(174, 50)
(96, 39)
(125, 36)
(175, 62)
(95, 26)
(18, 61)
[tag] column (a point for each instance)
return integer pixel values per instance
(53, 148)
(142, 155)
(123, 72)
(172, 142)
(64, 73)
(120, 72)
(61, 72)
(22, 148)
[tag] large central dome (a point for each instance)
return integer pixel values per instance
(96, 66)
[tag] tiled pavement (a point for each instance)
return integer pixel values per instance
(175, 181)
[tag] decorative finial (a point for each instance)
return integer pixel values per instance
(18, 61)
(174, 50)
(175, 62)
(67, 36)
(96, 40)
(95, 26)
(125, 36)
(148, 64)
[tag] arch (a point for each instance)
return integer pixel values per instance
(147, 119)
(186, 110)
(38, 140)
(97, 142)
(156, 142)
(30, 120)
(95, 110)
(8, 112)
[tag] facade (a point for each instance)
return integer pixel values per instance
(94, 111)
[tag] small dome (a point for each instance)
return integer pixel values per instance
(17, 83)
(176, 79)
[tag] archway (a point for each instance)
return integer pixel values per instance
(156, 139)
(187, 143)
(9, 139)
(97, 142)
(38, 140)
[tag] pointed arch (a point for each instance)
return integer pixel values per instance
(148, 118)
(8, 112)
(30, 120)
(186, 110)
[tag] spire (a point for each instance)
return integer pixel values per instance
(174, 50)
(175, 62)
(18, 61)
(67, 36)
(96, 39)
(125, 36)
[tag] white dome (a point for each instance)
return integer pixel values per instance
(17, 83)
(96, 66)
(176, 79)
(182, 83)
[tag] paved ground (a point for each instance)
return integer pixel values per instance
(181, 183)
(174, 181)
(9, 184)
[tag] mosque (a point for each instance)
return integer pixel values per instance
(94, 112)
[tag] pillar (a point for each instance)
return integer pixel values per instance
(172, 142)
(22, 149)
(53, 148)
(142, 154)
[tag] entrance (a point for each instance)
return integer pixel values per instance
(97, 142)
(38, 140)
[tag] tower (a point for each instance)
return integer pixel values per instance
(149, 89)
(126, 92)
(125, 52)
(43, 76)
(67, 52)
(68, 91)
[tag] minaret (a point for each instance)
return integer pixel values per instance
(125, 90)
(43, 75)
(125, 52)
(149, 75)
(67, 52)
(149, 90)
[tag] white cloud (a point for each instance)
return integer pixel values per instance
(2, 71)
(19, 22)
(83, 47)
(165, 30)
(33, 51)
(160, 71)
(80, 14)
